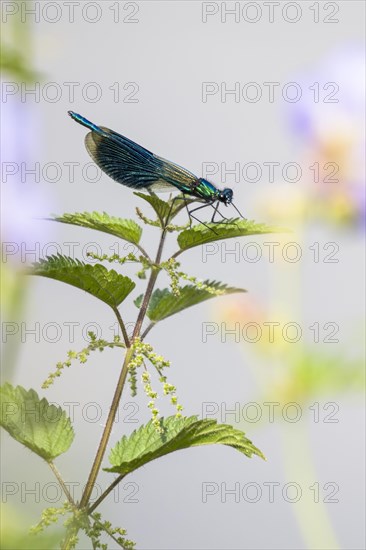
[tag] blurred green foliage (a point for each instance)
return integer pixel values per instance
(16, 53)
(13, 536)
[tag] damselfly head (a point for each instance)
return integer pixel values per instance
(226, 196)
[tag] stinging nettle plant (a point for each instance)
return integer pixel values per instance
(50, 433)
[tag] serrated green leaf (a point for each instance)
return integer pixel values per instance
(165, 208)
(200, 234)
(146, 444)
(43, 428)
(107, 285)
(138, 300)
(164, 303)
(161, 207)
(128, 230)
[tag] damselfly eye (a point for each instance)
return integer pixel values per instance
(227, 195)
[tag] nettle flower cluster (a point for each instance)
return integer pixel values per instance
(144, 351)
(171, 266)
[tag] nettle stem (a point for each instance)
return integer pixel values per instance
(106, 493)
(107, 431)
(122, 327)
(62, 483)
(150, 287)
(122, 379)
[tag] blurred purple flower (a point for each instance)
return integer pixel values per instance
(22, 202)
(329, 121)
(324, 107)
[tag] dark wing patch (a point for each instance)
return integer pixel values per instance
(132, 165)
(177, 176)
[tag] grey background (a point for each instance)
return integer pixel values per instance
(169, 53)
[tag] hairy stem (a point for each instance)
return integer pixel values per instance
(67, 543)
(122, 327)
(107, 431)
(176, 254)
(143, 251)
(147, 329)
(106, 493)
(62, 483)
(150, 287)
(121, 381)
